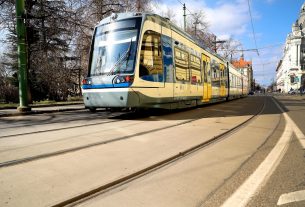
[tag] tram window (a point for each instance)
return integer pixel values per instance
(195, 69)
(151, 65)
(208, 66)
(182, 65)
(231, 80)
(215, 70)
(167, 58)
(215, 74)
(204, 65)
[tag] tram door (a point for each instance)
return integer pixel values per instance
(206, 73)
(222, 80)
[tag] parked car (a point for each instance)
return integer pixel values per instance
(293, 92)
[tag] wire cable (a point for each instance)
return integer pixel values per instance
(252, 25)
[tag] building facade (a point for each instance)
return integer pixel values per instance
(245, 68)
(290, 72)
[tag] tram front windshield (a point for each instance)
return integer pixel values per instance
(114, 49)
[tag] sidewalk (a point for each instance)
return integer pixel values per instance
(293, 97)
(42, 109)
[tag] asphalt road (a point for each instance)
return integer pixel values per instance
(289, 177)
(284, 180)
(119, 144)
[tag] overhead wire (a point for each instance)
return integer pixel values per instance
(253, 32)
(252, 25)
(190, 13)
(255, 42)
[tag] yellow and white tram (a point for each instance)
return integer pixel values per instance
(141, 60)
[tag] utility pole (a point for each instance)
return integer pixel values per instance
(184, 17)
(215, 42)
(22, 57)
(195, 23)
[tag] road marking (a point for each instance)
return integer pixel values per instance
(242, 195)
(291, 197)
(299, 134)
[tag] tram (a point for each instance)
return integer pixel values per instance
(142, 60)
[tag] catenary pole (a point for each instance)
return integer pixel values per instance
(184, 17)
(22, 57)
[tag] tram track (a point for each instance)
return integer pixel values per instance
(58, 129)
(41, 122)
(86, 146)
(113, 116)
(46, 155)
(56, 122)
(154, 167)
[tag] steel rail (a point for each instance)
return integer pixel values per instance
(140, 173)
(64, 151)
(44, 122)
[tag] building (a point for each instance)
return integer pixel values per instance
(290, 72)
(245, 68)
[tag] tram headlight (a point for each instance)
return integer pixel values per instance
(86, 81)
(119, 80)
(123, 79)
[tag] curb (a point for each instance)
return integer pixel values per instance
(39, 112)
(45, 105)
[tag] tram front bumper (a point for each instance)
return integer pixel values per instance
(114, 97)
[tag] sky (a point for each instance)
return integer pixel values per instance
(272, 22)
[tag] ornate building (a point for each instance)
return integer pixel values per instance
(290, 72)
(245, 68)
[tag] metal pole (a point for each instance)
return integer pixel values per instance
(184, 17)
(22, 57)
(215, 44)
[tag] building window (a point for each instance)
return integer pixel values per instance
(292, 79)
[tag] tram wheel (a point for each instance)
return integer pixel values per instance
(92, 109)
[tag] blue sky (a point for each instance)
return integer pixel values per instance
(272, 20)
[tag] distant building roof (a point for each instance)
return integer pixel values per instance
(241, 63)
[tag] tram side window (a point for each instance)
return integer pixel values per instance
(182, 65)
(208, 66)
(205, 74)
(231, 80)
(151, 65)
(222, 82)
(167, 58)
(215, 74)
(234, 81)
(195, 69)
(225, 76)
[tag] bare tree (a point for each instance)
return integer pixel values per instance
(229, 48)
(58, 40)
(197, 23)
